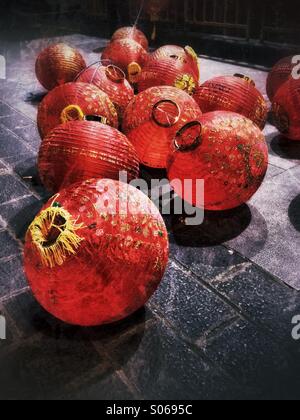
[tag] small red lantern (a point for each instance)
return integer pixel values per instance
(168, 72)
(233, 93)
(112, 81)
(128, 55)
(279, 74)
(96, 252)
(80, 150)
(225, 150)
(286, 107)
(75, 101)
(132, 32)
(58, 64)
(152, 120)
(186, 56)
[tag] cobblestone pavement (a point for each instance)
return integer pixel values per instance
(219, 327)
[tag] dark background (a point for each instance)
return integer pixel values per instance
(255, 31)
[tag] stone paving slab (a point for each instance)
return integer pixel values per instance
(265, 367)
(272, 241)
(12, 278)
(169, 369)
(189, 306)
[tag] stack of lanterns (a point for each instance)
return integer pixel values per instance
(283, 87)
(98, 249)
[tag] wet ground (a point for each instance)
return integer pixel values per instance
(219, 327)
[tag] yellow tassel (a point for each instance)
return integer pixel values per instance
(193, 54)
(72, 113)
(134, 72)
(65, 241)
(186, 83)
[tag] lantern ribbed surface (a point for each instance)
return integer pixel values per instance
(168, 72)
(226, 150)
(75, 101)
(96, 252)
(58, 64)
(80, 150)
(128, 55)
(131, 32)
(112, 81)
(186, 56)
(286, 108)
(279, 74)
(234, 94)
(152, 119)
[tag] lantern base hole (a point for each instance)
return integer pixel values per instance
(53, 231)
(54, 235)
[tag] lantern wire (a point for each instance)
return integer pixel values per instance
(138, 16)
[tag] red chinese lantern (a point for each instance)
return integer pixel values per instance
(224, 149)
(75, 101)
(153, 118)
(112, 81)
(233, 93)
(58, 64)
(128, 55)
(186, 56)
(132, 32)
(168, 72)
(96, 252)
(279, 74)
(286, 107)
(81, 150)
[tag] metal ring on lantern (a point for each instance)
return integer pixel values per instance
(155, 108)
(246, 78)
(115, 74)
(88, 67)
(196, 143)
(107, 65)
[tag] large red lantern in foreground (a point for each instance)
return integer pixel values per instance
(132, 32)
(75, 101)
(168, 72)
(225, 150)
(96, 252)
(235, 94)
(279, 74)
(153, 118)
(286, 108)
(128, 55)
(58, 64)
(111, 80)
(80, 150)
(186, 56)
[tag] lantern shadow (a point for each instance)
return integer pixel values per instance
(35, 98)
(254, 239)
(294, 213)
(21, 221)
(55, 359)
(285, 148)
(216, 229)
(99, 50)
(117, 341)
(149, 174)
